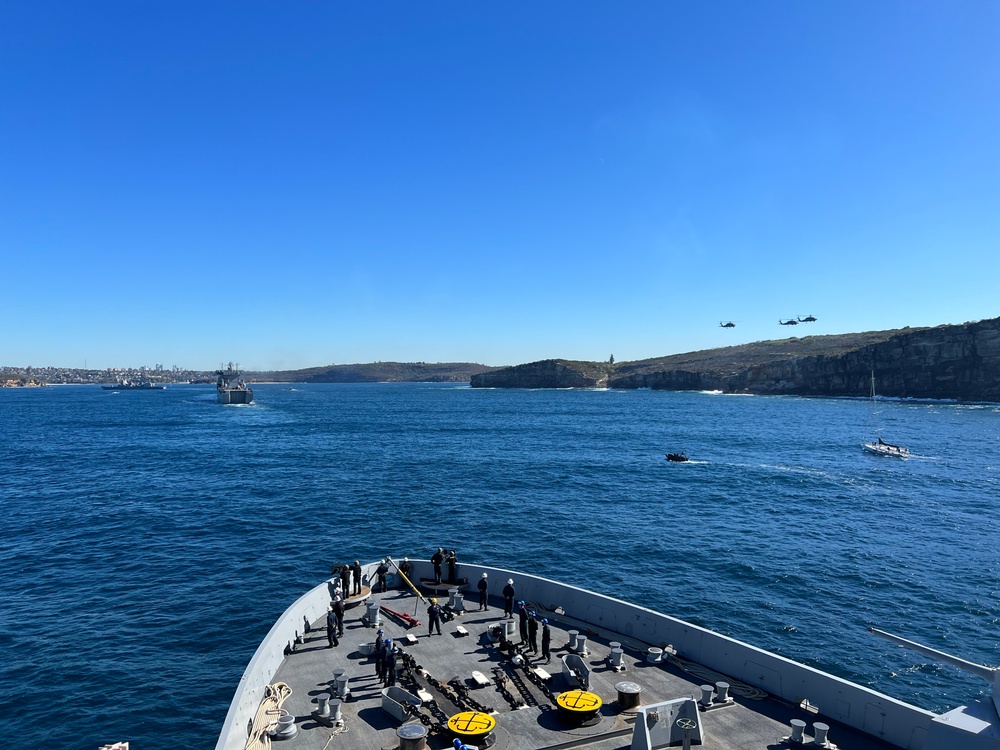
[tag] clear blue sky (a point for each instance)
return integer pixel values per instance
(289, 184)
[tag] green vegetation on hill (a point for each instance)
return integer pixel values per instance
(732, 359)
(380, 372)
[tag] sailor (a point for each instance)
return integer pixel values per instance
(483, 586)
(546, 640)
(508, 598)
(532, 633)
(338, 611)
(379, 656)
(390, 665)
(433, 618)
(522, 621)
(331, 627)
(452, 560)
(405, 567)
(381, 571)
(356, 571)
(436, 559)
(345, 580)
(386, 651)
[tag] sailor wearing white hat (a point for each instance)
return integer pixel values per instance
(508, 598)
(483, 595)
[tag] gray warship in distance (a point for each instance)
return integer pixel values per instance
(620, 676)
(231, 388)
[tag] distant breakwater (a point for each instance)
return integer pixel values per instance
(960, 362)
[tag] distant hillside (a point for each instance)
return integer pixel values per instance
(380, 372)
(947, 362)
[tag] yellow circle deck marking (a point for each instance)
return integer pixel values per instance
(579, 700)
(471, 722)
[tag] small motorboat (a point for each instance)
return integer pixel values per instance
(678, 457)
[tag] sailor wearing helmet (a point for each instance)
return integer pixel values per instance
(533, 632)
(483, 586)
(508, 598)
(433, 618)
(331, 627)
(546, 640)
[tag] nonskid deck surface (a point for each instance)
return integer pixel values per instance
(309, 671)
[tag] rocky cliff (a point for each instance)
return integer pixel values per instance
(549, 373)
(946, 362)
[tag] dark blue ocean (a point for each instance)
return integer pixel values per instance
(152, 538)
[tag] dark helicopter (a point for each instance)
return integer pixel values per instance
(730, 324)
(790, 322)
(807, 319)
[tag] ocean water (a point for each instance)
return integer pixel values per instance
(152, 538)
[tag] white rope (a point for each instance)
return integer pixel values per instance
(267, 716)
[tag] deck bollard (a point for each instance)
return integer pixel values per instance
(286, 728)
(335, 714)
(798, 729)
(342, 690)
(323, 705)
(374, 615)
(706, 695)
(617, 657)
(722, 692)
(573, 635)
(820, 730)
(581, 644)
(654, 655)
(510, 629)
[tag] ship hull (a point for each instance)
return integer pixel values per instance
(235, 395)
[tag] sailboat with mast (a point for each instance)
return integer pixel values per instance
(876, 445)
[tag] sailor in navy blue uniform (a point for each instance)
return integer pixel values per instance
(381, 572)
(532, 633)
(508, 598)
(331, 627)
(433, 618)
(483, 595)
(436, 559)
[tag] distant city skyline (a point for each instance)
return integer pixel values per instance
(296, 185)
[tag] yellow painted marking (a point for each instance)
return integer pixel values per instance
(579, 700)
(471, 722)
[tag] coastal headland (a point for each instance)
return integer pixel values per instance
(959, 362)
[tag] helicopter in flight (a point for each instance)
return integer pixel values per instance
(730, 324)
(807, 319)
(789, 322)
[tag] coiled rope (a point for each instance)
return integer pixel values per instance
(268, 713)
(708, 675)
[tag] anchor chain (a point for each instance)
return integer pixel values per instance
(510, 672)
(502, 680)
(538, 682)
(465, 700)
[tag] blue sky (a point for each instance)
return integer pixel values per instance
(289, 184)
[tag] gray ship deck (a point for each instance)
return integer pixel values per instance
(747, 723)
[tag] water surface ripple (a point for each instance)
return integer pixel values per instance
(153, 538)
